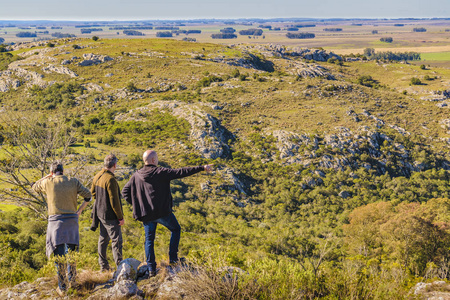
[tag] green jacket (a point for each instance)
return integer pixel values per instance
(106, 192)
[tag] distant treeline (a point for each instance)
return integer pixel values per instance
(265, 26)
(292, 29)
(26, 34)
(388, 55)
(399, 25)
(133, 32)
(60, 35)
(41, 27)
(192, 31)
(56, 27)
(223, 36)
(304, 25)
(251, 31)
(387, 39)
(332, 29)
(164, 34)
(300, 35)
(131, 28)
(166, 28)
(89, 30)
(228, 30)
(82, 26)
(419, 29)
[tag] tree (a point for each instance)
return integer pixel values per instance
(30, 145)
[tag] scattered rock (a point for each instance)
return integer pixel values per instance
(60, 70)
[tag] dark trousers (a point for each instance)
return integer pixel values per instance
(60, 251)
(150, 230)
(109, 230)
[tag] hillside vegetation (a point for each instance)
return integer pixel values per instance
(331, 177)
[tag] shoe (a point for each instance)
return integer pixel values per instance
(61, 292)
(180, 261)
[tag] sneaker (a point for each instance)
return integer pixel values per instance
(61, 292)
(180, 261)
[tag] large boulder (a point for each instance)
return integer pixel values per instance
(127, 270)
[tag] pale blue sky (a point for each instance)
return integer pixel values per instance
(195, 9)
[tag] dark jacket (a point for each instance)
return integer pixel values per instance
(148, 190)
(106, 191)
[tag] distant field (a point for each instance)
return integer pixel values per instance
(439, 56)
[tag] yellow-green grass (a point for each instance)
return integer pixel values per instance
(7, 207)
(436, 56)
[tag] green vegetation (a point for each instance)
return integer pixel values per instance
(327, 189)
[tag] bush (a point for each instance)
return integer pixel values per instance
(206, 81)
(95, 38)
(415, 81)
(423, 67)
(387, 39)
(366, 80)
(235, 73)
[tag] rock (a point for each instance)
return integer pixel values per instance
(93, 87)
(124, 288)
(93, 59)
(7, 84)
(127, 270)
(310, 71)
(344, 194)
(60, 70)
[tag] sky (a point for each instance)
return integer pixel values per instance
(225, 9)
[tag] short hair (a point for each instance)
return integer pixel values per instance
(56, 167)
(110, 161)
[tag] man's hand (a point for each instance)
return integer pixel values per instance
(121, 222)
(208, 168)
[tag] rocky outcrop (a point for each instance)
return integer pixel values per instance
(207, 134)
(60, 70)
(273, 50)
(310, 70)
(345, 148)
(248, 60)
(7, 84)
(93, 59)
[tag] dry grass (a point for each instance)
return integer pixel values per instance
(88, 279)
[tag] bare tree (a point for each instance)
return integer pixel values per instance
(30, 144)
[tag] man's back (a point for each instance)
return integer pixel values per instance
(149, 188)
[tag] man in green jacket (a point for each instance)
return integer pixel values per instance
(107, 212)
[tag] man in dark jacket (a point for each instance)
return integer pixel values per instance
(148, 191)
(107, 213)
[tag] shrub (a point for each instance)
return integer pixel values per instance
(206, 81)
(366, 80)
(423, 67)
(235, 73)
(95, 38)
(415, 81)
(387, 39)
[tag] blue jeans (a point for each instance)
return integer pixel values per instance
(171, 223)
(62, 250)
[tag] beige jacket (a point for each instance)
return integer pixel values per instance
(61, 193)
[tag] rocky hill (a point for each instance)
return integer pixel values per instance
(319, 160)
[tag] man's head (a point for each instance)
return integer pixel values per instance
(56, 168)
(150, 157)
(110, 161)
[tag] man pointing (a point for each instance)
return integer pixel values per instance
(148, 191)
